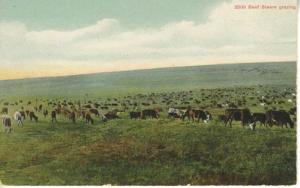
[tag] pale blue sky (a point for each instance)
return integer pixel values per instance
(70, 14)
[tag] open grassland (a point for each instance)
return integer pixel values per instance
(151, 152)
(163, 151)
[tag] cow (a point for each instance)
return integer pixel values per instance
(189, 113)
(149, 113)
(18, 118)
(40, 107)
(23, 115)
(72, 117)
(45, 113)
(261, 117)
(6, 121)
(243, 115)
(88, 118)
(135, 115)
(205, 116)
(175, 113)
(111, 115)
(32, 116)
(53, 116)
(280, 117)
(94, 111)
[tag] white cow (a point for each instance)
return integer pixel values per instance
(18, 117)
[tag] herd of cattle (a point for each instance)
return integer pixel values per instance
(177, 105)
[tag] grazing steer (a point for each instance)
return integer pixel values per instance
(205, 116)
(175, 113)
(88, 118)
(135, 115)
(243, 115)
(18, 118)
(189, 113)
(95, 111)
(32, 116)
(149, 113)
(280, 117)
(261, 117)
(6, 121)
(45, 113)
(72, 117)
(111, 115)
(23, 115)
(53, 116)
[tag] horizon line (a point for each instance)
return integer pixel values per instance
(130, 70)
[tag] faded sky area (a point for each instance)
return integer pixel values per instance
(64, 37)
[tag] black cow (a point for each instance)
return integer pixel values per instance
(32, 116)
(279, 117)
(261, 117)
(135, 115)
(149, 113)
(53, 116)
(243, 115)
(203, 115)
(88, 118)
(45, 113)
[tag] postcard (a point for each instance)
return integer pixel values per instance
(148, 92)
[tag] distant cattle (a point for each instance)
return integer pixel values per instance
(6, 121)
(243, 115)
(278, 117)
(259, 117)
(189, 113)
(23, 115)
(111, 115)
(149, 113)
(45, 113)
(53, 116)
(175, 113)
(72, 117)
(205, 116)
(18, 118)
(95, 111)
(32, 116)
(89, 119)
(135, 115)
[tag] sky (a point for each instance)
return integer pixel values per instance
(66, 37)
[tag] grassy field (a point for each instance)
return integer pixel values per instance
(160, 151)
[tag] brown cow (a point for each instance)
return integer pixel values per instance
(88, 118)
(94, 111)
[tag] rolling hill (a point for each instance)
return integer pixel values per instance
(154, 80)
